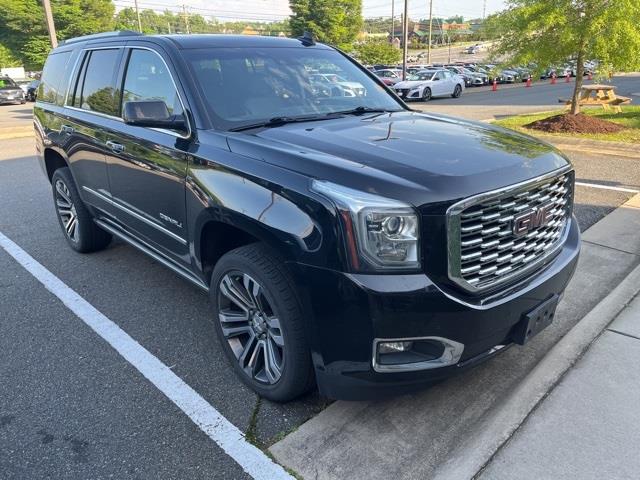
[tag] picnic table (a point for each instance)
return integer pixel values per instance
(600, 95)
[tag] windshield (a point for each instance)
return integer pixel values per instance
(243, 86)
(7, 82)
(421, 76)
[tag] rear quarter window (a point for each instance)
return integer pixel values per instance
(53, 80)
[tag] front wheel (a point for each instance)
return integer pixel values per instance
(426, 95)
(457, 91)
(260, 322)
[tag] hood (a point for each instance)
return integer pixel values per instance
(411, 83)
(411, 156)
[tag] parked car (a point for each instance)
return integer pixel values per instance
(523, 73)
(10, 91)
(23, 84)
(348, 242)
(472, 50)
(32, 90)
(427, 84)
(390, 76)
(345, 87)
(471, 78)
(460, 72)
(509, 76)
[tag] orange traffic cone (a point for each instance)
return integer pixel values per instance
(495, 85)
(529, 82)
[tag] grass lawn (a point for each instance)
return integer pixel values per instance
(629, 118)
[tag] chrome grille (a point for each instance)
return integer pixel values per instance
(483, 248)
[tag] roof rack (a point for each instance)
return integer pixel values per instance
(96, 36)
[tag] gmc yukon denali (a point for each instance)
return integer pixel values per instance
(345, 240)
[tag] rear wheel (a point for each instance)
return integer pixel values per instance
(426, 95)
(260, 323)
(82, 234)
(457, 91)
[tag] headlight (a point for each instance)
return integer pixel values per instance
(381, 233)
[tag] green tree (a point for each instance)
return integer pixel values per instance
(336, 22)
(23, 31)
(7, 59)
(551, 32)
(380, 52)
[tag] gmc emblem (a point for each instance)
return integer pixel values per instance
(537, 217)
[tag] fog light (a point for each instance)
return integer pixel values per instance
(394, 347)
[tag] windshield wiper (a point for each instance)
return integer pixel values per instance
(276, 122)
(360, 110)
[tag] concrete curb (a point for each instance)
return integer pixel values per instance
(619, 149)
(478, 450)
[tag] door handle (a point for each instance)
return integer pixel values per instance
(115, 147)
(67, 129)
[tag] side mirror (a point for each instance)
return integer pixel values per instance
(152, 114)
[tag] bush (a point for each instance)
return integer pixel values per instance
(378, 52)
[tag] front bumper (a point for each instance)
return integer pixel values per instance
(352, 311)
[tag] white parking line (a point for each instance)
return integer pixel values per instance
(204, 415)
(607, 187)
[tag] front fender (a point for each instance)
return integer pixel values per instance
(269, 212)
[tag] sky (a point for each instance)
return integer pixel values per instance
(269, 10)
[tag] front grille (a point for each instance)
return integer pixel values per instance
(497, 236)
(403, 92)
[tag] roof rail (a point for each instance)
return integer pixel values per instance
(96, 36)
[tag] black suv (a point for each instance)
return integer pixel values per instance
(344, 239)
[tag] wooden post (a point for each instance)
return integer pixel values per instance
(51, 28)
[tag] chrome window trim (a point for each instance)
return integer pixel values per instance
(82, 55)
(112, 202)
(99, 114)
(450, 356)
(175, 86)
(453, 232)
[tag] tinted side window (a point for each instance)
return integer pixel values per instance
(147, 78)
(52, 86)
(99, 93)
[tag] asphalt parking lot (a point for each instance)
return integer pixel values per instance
(72, 407)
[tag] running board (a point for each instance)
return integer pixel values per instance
(151, 252)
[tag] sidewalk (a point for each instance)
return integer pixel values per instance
(588, 426)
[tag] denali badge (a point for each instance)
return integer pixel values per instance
(537, 217)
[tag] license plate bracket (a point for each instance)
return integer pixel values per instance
(535, 321)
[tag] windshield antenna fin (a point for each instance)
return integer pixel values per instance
(307, 39)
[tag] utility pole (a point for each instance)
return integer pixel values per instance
(51, 28)
(405, 38)
(393, 21)
(186, 17)
(430, 31)
(138, 16)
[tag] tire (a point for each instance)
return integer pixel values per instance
(457, 91)
(426, 95)
(84, 236)
(269, 321)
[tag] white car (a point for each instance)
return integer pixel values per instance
(349, 89)
(426, 84)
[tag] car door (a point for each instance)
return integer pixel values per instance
(439, 84)
(449, 83)
(147, 166)
(91, 110)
